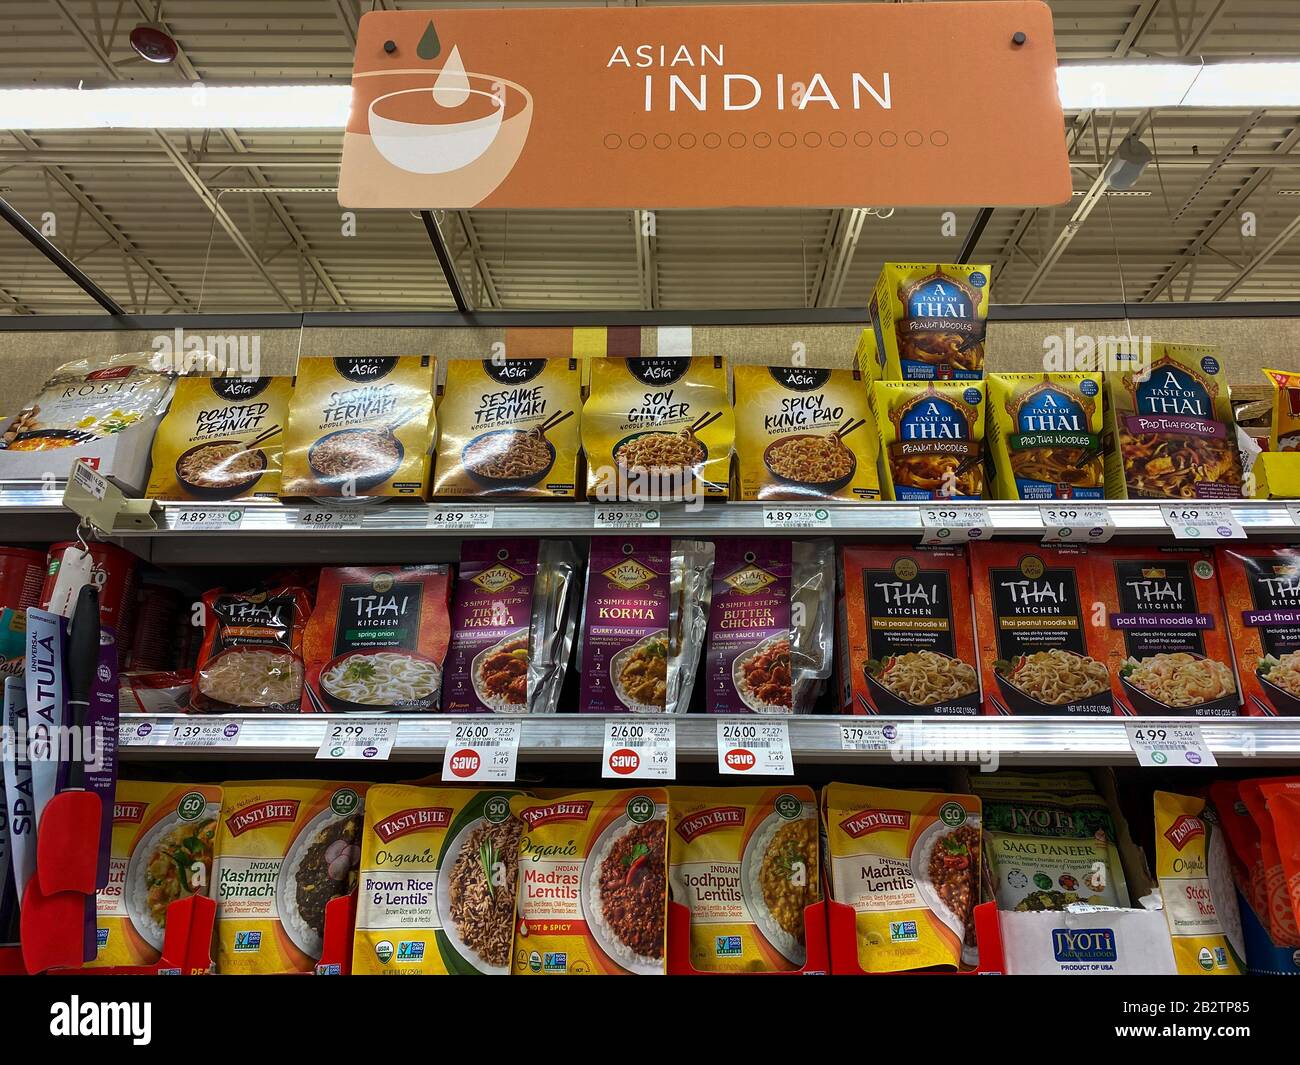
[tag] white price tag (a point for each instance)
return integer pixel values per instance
(1202, 522)
(91, 480)
(625, 517)
(486, 749)
(209, 519)
(461, 518)
(955, 524)
(328, 518)
(360, 740)
(214, 732)
(1293, 512)
(871, 736)
(796, 518)
(1068, 524)
(637, 749)
(138, 734)
(1168, 745)
(754, 748)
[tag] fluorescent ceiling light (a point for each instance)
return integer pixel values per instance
(1125, 86)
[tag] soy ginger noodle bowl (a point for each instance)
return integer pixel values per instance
(1056, 676)
(924, 678)
(655, 452)
(1181, 679)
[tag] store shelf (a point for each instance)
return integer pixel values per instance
(816, 741)
(34, 512)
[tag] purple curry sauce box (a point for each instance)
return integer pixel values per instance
(625, 626)
(487, 662)
(748, 656)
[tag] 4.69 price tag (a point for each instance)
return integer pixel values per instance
(753, 749)
(482, 750)
(644, 750)
(1202, 523)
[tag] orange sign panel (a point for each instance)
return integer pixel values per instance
(817, 105)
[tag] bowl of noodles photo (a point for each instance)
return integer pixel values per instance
(1279, 676)
(500, 674)
(922, 682)
(370, 680)
(1055, 682)
(248, 677)
(660, 454)
(818, 463)
(639, 674)
(506, 459)
(220, 469)
(357, 458)
(165, 868)
(1180, 684)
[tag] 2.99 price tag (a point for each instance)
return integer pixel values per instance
(1066, 524)
(482, 750)
(752, 749)
(1202, 523)
(640, 750)
(364, 741)
(955, 524)
(1169, 745)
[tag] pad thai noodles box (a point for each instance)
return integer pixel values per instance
(930, 321)
(931, 439)
(1171, 655)
(1197, 889)
(284, 850)
(1261, 592)
(377, 639)
(360, 427)
(771, 626)
(658, 428)
(593, 869)
(1044, 435)
(163, 836)
(644, 623)
(804, 434)
(1042, 648)
(743, 861)
(908, 647)
(436, 891)
(221, 439)
(513, 624)
(1169, 427)
(908, 862)
(509, 427)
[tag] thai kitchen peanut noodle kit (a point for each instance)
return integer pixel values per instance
(1169, 427)
(931, 439)
(1261, 593)
(658, 428)
(1044, 434)
(908, 863)
(360, 427)
(284, 850)
(513, 625)
(1171, 655)
(906, 639)
(1042, 647)
(436, 890)
(163, 839)
(377, 639)
(929, 321)
(509, 427)
(221, 439)
(803, 433)
(644, 622)
(593, 870)
(743, 861)
(770, 626)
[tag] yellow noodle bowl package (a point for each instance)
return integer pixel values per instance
(284, 850)
(436, 894)
(163, 837)
(744, 862)
(1196, 886)
(908, 862)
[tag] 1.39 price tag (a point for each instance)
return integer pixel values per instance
(482, 750)
(202, 734)
(642, 750)
(754, 748)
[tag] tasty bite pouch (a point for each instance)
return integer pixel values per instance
(743, 861)
(1200, 900)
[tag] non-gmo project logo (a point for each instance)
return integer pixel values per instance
(248, 942)
(727, 946)
(902, 932)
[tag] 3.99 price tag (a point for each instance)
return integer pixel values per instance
(754, 748)
(1067, 524)
(955, 524)
(482, 750)
(640, 750)
(359, 740)
(1202, 523)
(1168, 745)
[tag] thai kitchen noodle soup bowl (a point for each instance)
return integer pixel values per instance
(758, 850)
(363, 443)
(752, 684)
(818, 445)
(1021, 702)
(1144, 703)
(610, 929)
(220, 452)
(447, 918)
(649, 651)
(484, 677)
(249, 677)
(956, 883)
(165, 842)
(889, 701)
(499, 443)
(370, 680)
(324, 846)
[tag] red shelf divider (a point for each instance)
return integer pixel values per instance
(844, 943)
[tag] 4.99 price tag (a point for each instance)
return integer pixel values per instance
(1169, 745)
(482, 750)
(753, 749)
(640, 750)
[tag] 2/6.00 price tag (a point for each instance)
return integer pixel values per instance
(1202, 523)
(645, 750)
(482, 750)
(1069, 524)
(360, 740)
(752, 749)
(1168, 745)
(955, 524)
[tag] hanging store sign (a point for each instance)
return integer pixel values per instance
(949, 105)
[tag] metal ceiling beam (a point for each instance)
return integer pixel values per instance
(480, 260)
(972, 239)
(846, 231)
(71, 270)
(133, 157)
(647, 272)
(1219, 161)
(1269, 250)
(445, 261)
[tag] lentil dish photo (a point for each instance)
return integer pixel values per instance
(483, 911)
(632, 884)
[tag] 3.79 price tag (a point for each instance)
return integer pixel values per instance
(642, 750)
(482, 750)
(955, 524)
(1168, 745)
(754, 748)
(366, 741)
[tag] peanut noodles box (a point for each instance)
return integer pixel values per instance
(284, 850)
(592, 883)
